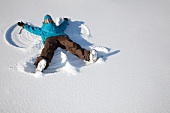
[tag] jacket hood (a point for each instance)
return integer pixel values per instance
(47, 17)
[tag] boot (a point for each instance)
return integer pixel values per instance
(41, 65)
(93, 55)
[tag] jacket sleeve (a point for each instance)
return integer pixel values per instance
(63, 25)
(34, 30)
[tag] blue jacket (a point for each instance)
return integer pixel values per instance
(48, 30)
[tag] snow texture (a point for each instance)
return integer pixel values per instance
(132, 74)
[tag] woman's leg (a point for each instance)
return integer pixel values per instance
(47, 53)
(74, 48)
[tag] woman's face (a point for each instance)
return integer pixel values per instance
(48, 21)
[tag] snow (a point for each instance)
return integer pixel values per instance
(131, 75)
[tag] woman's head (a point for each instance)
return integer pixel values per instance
(47, 19)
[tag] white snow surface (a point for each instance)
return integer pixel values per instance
(132, 74)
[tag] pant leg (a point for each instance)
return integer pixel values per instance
(47, 53)
(74, 48)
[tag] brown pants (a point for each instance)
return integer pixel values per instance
(52, 43)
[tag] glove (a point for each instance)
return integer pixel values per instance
(21, 24)
(66, 19)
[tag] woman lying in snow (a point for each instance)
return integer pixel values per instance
(53, 36)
